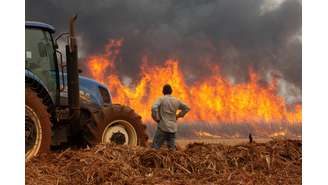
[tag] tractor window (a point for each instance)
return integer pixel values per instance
(39, 57)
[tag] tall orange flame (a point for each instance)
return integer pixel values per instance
(213, 100)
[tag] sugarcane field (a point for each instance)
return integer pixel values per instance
(166, 92)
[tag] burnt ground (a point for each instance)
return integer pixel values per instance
(273, 162)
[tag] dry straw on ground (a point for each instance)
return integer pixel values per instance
(274, 162)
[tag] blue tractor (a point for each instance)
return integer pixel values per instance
(63, 107)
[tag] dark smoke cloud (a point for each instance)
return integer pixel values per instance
(235, 34)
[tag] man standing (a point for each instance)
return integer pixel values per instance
(164, 112)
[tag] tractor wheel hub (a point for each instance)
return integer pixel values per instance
(118, 138)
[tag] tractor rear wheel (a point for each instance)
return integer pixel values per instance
(120, 125)
(37, 125)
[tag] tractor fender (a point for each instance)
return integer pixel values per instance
(39, 87)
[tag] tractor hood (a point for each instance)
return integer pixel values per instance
(91, 91)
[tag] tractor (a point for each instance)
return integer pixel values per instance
(63, 107)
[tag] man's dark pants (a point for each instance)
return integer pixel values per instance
(161, 136)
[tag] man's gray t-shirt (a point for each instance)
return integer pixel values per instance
(165, 109)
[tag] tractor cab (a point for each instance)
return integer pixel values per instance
(40, 60)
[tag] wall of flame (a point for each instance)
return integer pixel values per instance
(213, 99)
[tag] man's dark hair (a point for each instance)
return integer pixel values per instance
(167, 89)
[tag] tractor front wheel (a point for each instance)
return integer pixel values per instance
(120, 125)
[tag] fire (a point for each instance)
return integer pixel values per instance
(98, 64)
(212, 100)
(203, 134)
(278, 134)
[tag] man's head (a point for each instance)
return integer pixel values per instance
(167, 89)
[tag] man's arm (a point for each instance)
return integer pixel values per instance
(184, 109)
(155, 110)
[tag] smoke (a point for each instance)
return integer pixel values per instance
(236, 35)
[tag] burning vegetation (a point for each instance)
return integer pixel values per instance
(214, 100)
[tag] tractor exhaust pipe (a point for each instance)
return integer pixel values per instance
(73, 76)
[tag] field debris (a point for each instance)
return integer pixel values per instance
(274, 162)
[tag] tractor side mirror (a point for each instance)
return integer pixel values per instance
(58, 37)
